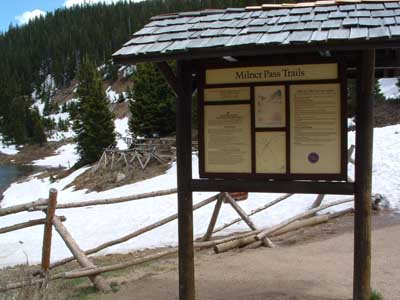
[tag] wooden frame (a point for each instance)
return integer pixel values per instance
(288, 175)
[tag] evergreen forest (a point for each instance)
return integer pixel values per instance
(53, 46)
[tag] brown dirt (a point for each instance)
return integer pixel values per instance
(387, 113)
(30, 153)
(315, 265)
(65, 94)
(120, 110)
(311, 264)
(106, 178)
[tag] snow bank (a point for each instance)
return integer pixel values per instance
(122, 130)
(65, 157)
(94, 225)
(57, 136)
(7, 149)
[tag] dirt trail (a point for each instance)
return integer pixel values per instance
(318, 270)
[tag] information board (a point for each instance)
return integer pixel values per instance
(273, 122)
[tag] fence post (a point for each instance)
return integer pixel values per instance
(46, 250)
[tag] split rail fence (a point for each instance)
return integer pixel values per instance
(255, 237)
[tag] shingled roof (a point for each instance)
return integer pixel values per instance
(345, 24)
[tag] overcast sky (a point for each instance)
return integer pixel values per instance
(20, 12)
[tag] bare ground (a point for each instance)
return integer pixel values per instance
(314, 263)
(317, 266)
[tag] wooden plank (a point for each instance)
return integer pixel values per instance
(135, 233)
(22, 207)
(253, 50)
(253, 212)
(169, 75)
(27, 224)
(82, 259)
(363, 178)
(110, 200)
(48, 227)
(184, 177)
(297, 187)
(213, 219)
(240, 212)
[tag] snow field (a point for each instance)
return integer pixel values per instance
(94, 225)
(65, 157)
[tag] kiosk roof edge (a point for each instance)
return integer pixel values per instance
(344, 24)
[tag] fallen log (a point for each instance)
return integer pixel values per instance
(300, 224)
(268, 231)
(237, 243)
(80, 256)
(260, 235)
(133, 234)
(253, 212)
(27, 224)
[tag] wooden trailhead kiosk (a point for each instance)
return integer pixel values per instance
(271, 86)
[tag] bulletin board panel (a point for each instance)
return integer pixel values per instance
(273, 121)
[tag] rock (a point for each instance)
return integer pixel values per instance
(120, 177)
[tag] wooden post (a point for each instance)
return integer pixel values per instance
(80, 256)
(46, 249)
(214, 217)
(240, 211)
(363, 178)
(184, 177)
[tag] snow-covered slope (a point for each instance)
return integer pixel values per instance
(94, 225)
(65, 157)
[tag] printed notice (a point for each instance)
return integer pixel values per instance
(315, 128)
(270, 106)
(271, 152)
(227, 94)
(227, 138)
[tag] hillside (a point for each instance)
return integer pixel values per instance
(42, 57)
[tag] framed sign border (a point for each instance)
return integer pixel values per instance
(201, 72)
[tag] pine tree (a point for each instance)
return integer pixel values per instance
(38, 135)
(153, 104)
(379, 97)
(94, 126)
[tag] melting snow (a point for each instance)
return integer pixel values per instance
(94, 225)
(65, 157)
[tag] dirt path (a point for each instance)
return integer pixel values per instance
(317, 270)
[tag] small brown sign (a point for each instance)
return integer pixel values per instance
(238, 196)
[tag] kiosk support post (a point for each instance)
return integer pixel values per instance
(184, 170)
(363, 177)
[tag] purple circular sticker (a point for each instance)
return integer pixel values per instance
(313, 157)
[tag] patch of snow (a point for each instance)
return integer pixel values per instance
(94, 225)
(128, 71)
(7, 149)
(112, 96)
(122, 130)
(57, 136)
(389, 88)
(59, 116)
(351, 123)
(65, 157)
(40, 106)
